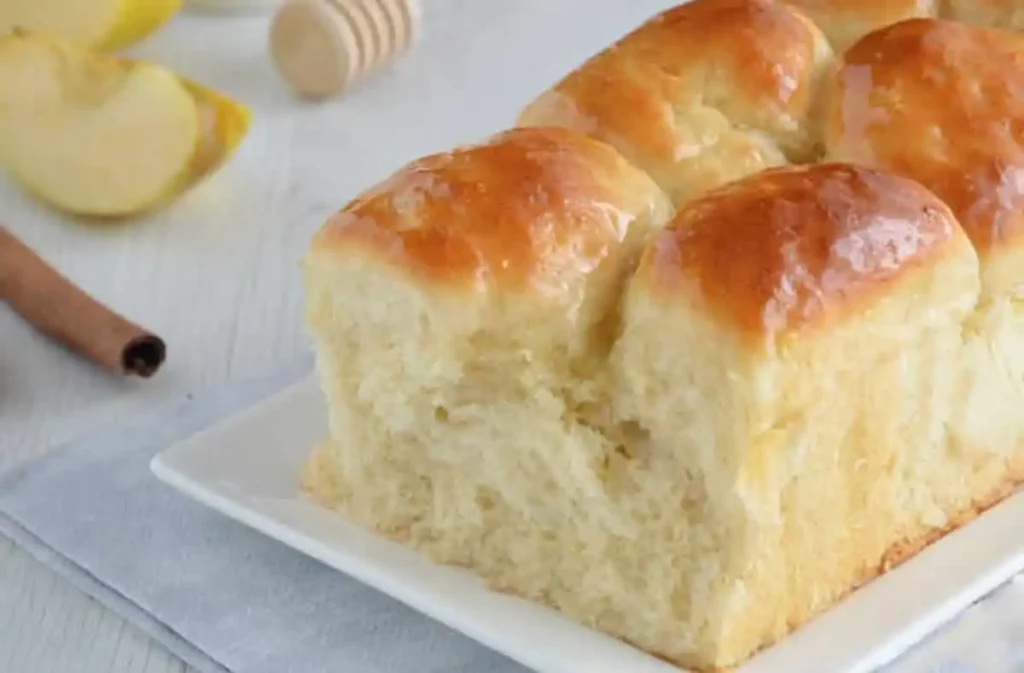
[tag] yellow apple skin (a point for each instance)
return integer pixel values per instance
(96, 134)
(137, 20)
(227, 124)
(101, 24)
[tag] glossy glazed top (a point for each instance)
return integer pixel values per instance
(791, 247)
(668, 90)
(534, 208)
(942, 103)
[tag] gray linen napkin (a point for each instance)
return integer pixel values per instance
(218, 595)
(225, 598)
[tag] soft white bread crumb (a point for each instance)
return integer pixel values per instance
(460, 313)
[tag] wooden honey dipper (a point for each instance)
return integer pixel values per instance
(322, 47)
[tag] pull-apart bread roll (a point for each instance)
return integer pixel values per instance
(459, 311)
(701, 94)
(790, 348)
(943, 103)
(846, 21)
(655, 430)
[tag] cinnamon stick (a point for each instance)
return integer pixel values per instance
(64, 312)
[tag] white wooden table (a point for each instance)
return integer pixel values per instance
(215, 274)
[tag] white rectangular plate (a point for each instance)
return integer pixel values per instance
(247, 467)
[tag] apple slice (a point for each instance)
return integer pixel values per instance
(95, 134)
(103, 24)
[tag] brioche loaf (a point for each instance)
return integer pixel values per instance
(731, 324)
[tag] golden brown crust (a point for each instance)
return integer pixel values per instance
(753, 62)
(790, 247)
(846, 21)
(1001, 14)
(902, 551)
(875, 9)
(942, 103)
(527, 207)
